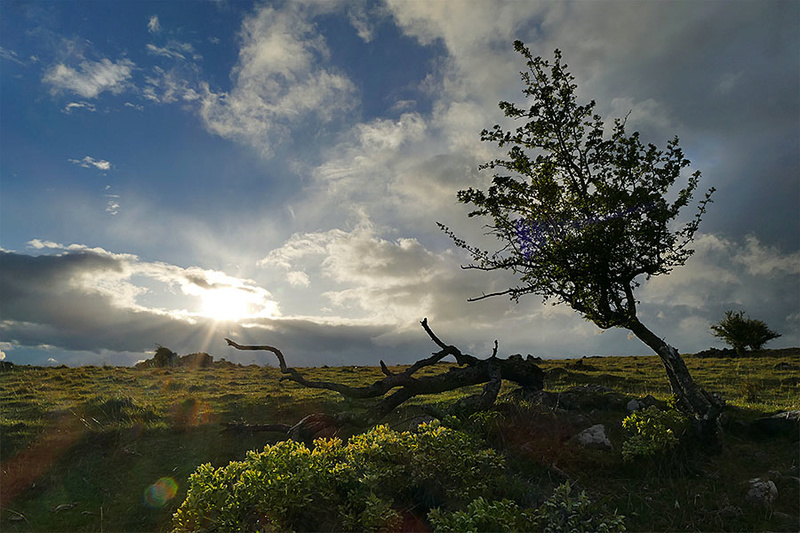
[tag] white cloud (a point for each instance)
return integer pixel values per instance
(387, 281)
(91, 78)
(112, 206)
(11, 55)
(79, 105)
(364, 19)
(279, 81)
(88, 162)
(766, 260)
(297, 278)
(166, 87)
(153, 25)
(173, 50)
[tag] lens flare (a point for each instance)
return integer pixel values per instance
(159, 493)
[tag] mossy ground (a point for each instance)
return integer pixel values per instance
(83, 449)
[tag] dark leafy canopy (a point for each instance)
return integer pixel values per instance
(741, 331)
(581, 215)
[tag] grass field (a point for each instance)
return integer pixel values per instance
(110, 449)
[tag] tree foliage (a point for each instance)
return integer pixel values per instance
(581, 216)
(741, 332)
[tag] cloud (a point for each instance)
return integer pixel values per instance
(11, 55)
(112, 206)
(90, 299)
(766, 260)
(91, 78)
(153, 25)
(79, 105)
(360, 273)
(279, 81)
(722, 275)
(165, 87)
(2, 355)
(364, 18)
(88, 162)
(173, 50)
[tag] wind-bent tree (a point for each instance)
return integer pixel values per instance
(583, 217)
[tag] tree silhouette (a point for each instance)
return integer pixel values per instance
(742, 332)
(583, 217)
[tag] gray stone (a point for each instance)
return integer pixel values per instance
(785, 424)
(633, 405)
(762, 492)
(594, 437)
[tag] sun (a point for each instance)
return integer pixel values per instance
(226, 305)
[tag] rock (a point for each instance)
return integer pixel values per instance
(643, 403)
(651, 401)
(716, 352)
(762, 492)
(785, 424)
(594, 437)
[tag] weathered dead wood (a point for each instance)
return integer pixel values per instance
(471, 371)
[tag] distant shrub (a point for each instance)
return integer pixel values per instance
(741, 332)
(356, 486)
(652, 432)
(164, 357)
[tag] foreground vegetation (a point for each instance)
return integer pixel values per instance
(112, 449)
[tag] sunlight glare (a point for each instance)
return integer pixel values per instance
(228, 304)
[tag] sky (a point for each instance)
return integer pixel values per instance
(174, 173)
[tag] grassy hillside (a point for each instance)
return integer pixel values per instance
(110, 449)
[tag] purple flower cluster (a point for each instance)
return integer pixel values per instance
(533, 235)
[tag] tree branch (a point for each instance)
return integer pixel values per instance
(472, 371)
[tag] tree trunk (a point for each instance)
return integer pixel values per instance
(702, 408)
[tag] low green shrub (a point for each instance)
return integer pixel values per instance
(565, 510)
(652, 432)
(358, 486)
(483, 515)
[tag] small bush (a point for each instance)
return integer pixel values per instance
(653, 432)
(563, 511)
(483, 515)
(741, 332)
(341, 487)
(567, 511)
